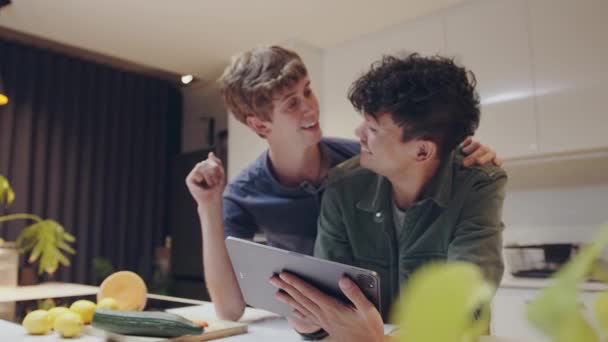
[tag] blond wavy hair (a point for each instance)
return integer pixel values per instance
(253, 78)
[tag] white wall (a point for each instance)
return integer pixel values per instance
(560, 214)
(540, 65)
(200, 101)
(344, 63)
(556, 199)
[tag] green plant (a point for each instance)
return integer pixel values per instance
(46, 239)
(46, 304)
(556, 311)
(463, 307)
(103, 268)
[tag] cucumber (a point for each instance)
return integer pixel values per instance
(149, 323)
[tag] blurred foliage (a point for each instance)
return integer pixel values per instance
(46, 239)
(556, 311)
(102, 268)
(46, 304)
(462, 307)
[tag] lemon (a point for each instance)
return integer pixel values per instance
(37, 322)
(85, 308)
(68, 324)
(108, 303)
(56, 312)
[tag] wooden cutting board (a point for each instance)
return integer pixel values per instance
(215, 330)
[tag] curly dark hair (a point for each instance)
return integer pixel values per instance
(430, 97)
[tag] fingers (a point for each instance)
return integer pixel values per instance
(211, 178)
(471, 146)
(310, 292)
(295, 298)
(208, 173)
(299, 314)
(214, 174)
(194, 177)
(302, 325)
(213, 157)
(473, 158)
(299, 310)
(478, 153)
(486, 157)
(354, 294)
(498, 161)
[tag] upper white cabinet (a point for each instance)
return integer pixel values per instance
(344, 63)
(570, 68)
(542, 70)
(541, 66)
(491, 39)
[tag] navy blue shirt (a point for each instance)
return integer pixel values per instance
(255, 201)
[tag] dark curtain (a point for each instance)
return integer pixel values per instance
(89, 146)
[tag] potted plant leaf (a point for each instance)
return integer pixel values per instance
(46, 240)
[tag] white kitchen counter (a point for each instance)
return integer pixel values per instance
(509, 281)
(263, 325)
(45, 290)
(268, 329)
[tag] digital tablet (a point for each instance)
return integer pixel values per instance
(254, 264)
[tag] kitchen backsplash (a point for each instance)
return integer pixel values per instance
(560, 214)
(556, 199)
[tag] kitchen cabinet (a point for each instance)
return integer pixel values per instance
(491, 38)
(509, 313)
(541, 71)
(345, 62)
(540, 65)
(569, 56)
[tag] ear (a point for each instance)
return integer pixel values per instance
(427, 150)
(258, 126)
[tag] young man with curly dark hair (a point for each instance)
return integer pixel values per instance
(407, 199)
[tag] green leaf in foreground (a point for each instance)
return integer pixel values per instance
(448, 302)
(556, 311)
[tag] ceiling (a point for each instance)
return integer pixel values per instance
(198, 36)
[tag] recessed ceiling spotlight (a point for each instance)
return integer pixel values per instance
(187, 79)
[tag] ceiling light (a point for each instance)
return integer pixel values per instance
(3, 99)
(187, 79)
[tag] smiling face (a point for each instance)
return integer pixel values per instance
(382, 147)
(295, 117)
(432, 103)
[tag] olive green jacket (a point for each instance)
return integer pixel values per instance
(458, 217)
